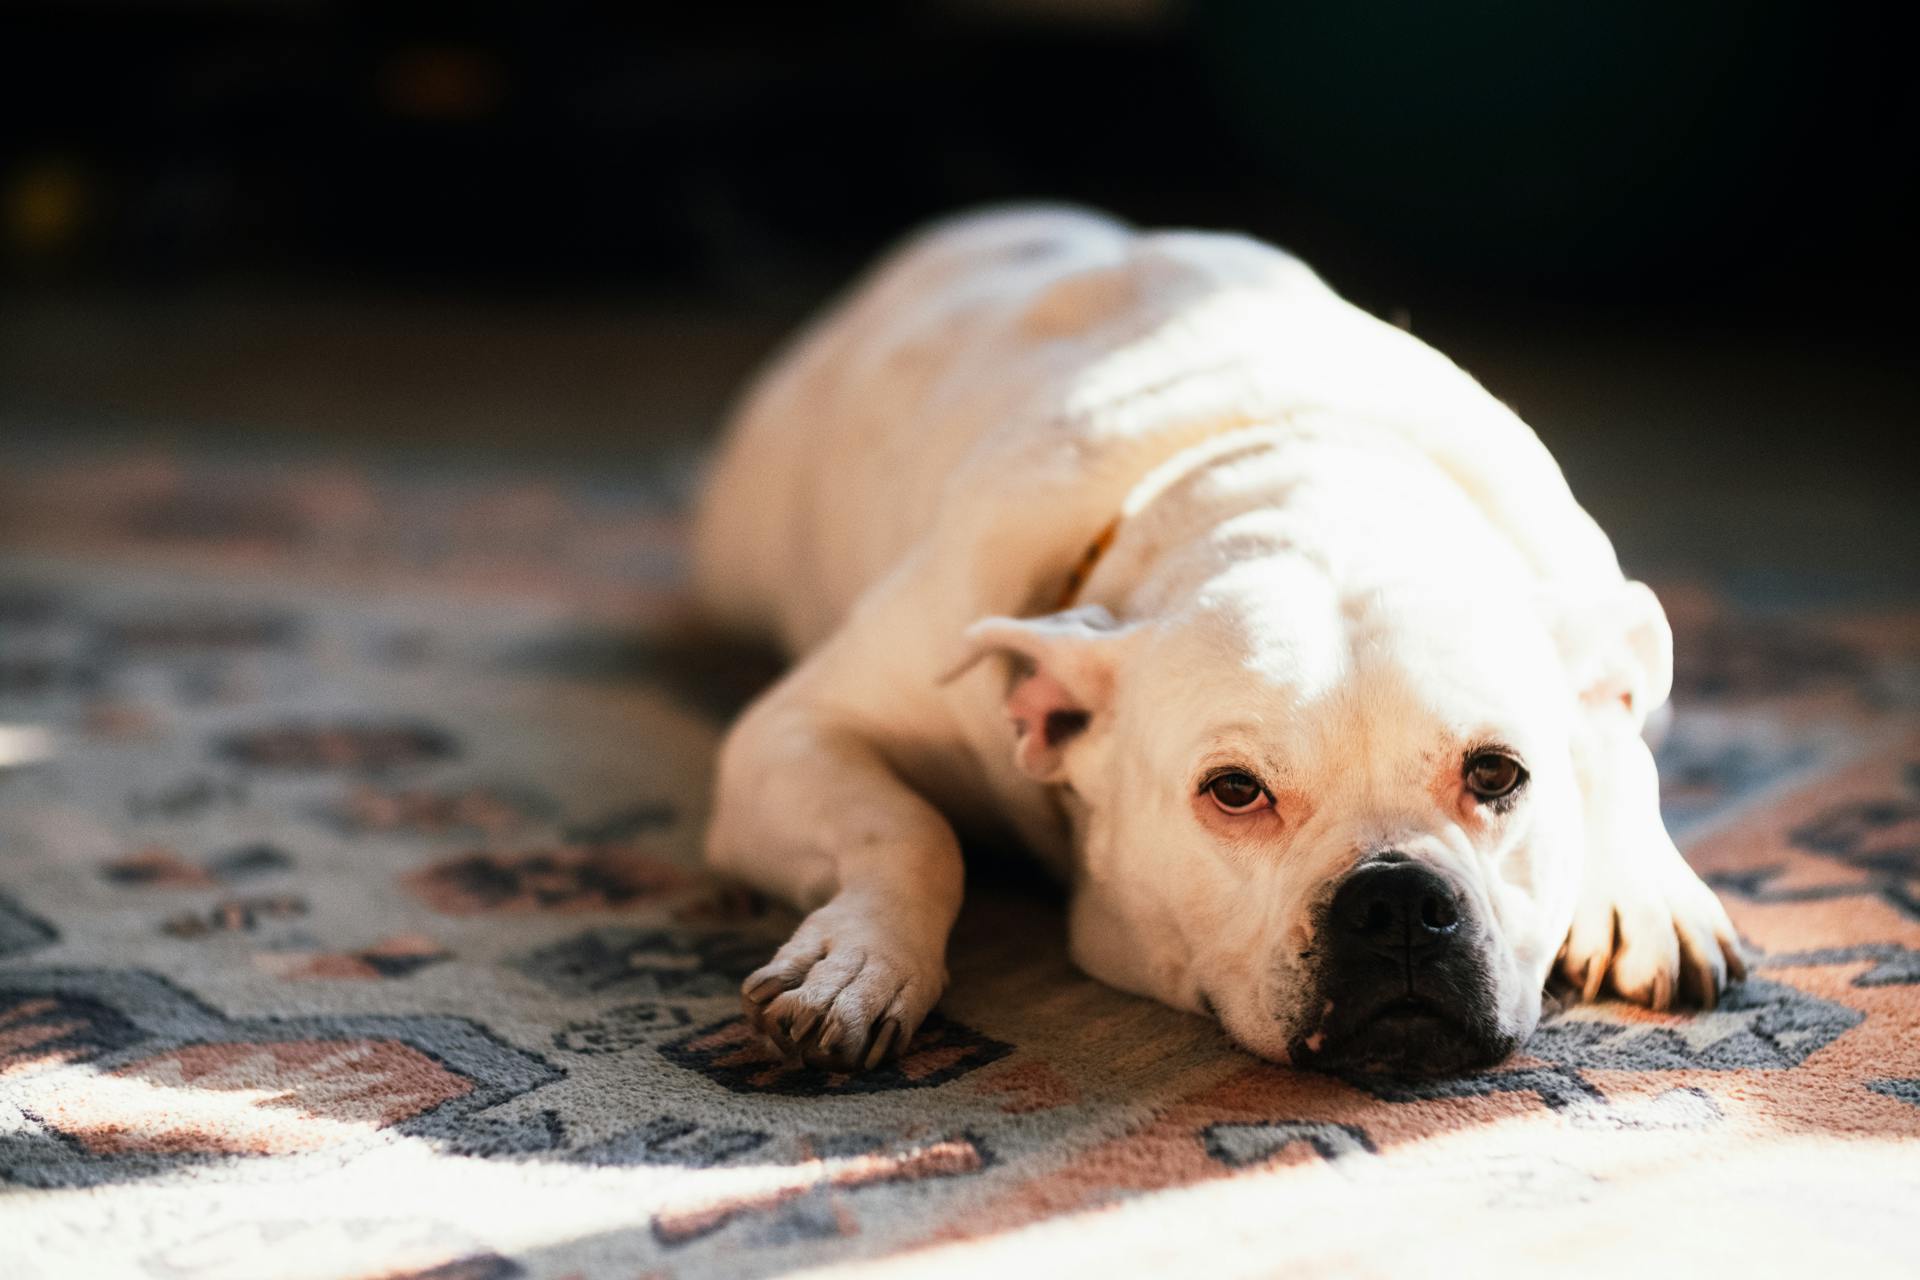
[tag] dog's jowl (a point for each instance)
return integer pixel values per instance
(1279, 639)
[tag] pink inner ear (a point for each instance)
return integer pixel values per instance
(1046, 715)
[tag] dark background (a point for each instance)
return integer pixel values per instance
(1676, 236)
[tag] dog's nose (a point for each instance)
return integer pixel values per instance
(1397, 908)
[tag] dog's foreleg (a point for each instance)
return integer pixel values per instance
(808, 809)
(1645, 925)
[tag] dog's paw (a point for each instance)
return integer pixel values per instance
(843, 993)
(1656, 937)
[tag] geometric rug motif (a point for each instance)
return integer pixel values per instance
(80, 1049)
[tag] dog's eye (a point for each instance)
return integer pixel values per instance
(1237, 792)
(1493, 775)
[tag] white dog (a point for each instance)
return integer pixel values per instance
(1273, 633)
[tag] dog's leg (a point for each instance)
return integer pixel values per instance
(1645, 925)
(808, 809)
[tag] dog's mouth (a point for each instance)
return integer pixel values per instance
(1410, 1015)
(1407, 1035)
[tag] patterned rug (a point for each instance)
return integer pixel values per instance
(350, 926)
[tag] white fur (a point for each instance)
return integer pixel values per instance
(1340, 561)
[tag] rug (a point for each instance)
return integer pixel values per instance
(351, 925)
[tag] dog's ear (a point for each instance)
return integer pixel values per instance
(1617, 648)
(1064, 667)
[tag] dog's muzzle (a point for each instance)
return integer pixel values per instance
(1404, 976)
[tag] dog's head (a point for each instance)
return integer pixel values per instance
(1340, 815)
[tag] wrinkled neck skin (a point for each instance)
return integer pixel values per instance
(1314, 513)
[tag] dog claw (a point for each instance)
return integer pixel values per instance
(1662, 998)
(1698, 983)
(764, 990)
(883, 1043)
(1596, 974)
(1736, 959)
(800, 1028)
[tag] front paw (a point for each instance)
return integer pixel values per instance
(843, 994)
(1653, 937)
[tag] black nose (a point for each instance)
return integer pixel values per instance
(1397, 908)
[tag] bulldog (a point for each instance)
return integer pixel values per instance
(1273, 634)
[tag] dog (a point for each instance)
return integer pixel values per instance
(1267, 629)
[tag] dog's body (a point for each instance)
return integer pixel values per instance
(1322, 568)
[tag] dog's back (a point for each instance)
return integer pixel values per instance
(998, 352)
(835, 459)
